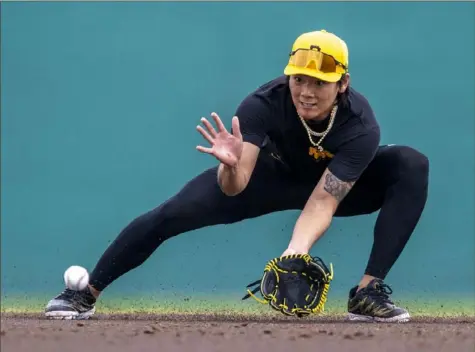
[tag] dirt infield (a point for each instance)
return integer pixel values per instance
(22, 333)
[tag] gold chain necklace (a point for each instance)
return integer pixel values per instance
(323, 134)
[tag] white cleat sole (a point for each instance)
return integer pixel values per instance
(68, 315)
(403, 318)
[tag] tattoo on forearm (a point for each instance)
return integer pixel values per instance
(336, 188)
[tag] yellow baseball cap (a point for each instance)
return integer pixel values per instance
(318, 54)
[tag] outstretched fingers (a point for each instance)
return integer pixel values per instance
(236, 128)
(212, 135)
(219, 123)
(209, 135)
(205, 134)
(209, 126)
(204, 149)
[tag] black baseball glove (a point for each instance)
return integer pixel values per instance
(296, 284)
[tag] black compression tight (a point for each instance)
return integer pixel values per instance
(395, 183)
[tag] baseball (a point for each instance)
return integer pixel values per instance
(76, 278)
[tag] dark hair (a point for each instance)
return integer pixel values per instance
(343, 98)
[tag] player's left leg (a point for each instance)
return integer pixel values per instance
(396, 183)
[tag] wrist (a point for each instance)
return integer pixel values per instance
(230, 179)
(293, 249)
(227, 172)
(228, 168)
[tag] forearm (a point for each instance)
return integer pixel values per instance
(318, 213)
(312, 223)
(231, 180)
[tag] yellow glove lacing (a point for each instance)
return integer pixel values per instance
(272, 299)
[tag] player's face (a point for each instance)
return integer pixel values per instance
(312, 97)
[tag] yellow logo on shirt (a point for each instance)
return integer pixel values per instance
(318, 155)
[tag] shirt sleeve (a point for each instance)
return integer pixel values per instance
(355, 156)
(253, 114)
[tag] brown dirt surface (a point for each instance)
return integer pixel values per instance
(196, 333)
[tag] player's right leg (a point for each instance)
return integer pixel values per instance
(200, 203)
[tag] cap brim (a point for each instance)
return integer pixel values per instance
(327, 77)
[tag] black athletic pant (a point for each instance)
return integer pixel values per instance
(395, 183)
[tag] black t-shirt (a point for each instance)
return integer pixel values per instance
(268, 115)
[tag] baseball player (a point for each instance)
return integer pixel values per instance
(305, 140)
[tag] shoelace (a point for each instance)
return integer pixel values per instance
(382, 291)
(67, 293)
(78, 296)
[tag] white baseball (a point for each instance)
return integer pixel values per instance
(76, 278)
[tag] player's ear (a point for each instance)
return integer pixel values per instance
(343, 83)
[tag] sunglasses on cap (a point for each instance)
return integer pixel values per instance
(314, 58)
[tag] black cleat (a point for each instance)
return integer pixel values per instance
(372, 304)
(75, 305)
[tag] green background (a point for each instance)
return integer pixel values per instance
(99, 107)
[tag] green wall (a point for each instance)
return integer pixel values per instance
(99, 107)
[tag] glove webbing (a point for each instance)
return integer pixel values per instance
(272, 265)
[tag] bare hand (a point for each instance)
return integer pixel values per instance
(225, 147)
